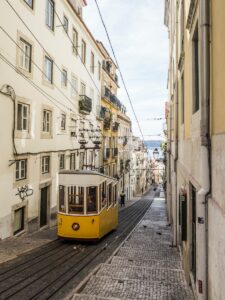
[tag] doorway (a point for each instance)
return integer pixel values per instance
(193, 224)
(44, 206)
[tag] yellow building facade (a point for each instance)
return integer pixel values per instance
(196, 140)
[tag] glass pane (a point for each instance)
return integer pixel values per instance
(76, 200)
(19, 117)
(92, 199)
(62, 206)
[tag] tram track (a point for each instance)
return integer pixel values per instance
(52, 274)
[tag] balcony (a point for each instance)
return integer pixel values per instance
(115, 126)
(85, 105)
(115, 152)
(107, 93)
(106, 153)
(107, 123)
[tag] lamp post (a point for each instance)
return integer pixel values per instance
(156, 154)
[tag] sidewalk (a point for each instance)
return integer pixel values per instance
(145, 267)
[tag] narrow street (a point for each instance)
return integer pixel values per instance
(145, 267)
(56, 268)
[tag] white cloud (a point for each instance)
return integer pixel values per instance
(141, 44)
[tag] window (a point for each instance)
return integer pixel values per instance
(48, 69)
(25, 55)
(64, 77)
(75, 41)
(62, 161)
(46, 126)
(21, 169)
(104, 195)
(72, 161)
(22, 117)
(49, 14)
(83, 51)
(83, 89)
(73, 128)
(65, 24)
(73, 86)
(99, 70)
(76, 199)
(91, 199)
(196, 70)
(45, 164)
(91, 156)
(19, 220)
(92, 94)
(62, 206)
(182, 99)
(81, 161)
(92, 67)
(29, 3)
(63, 122)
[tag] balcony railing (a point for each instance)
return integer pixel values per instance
(85, 105)
(115, 152)
(106, 153)
(115, 126)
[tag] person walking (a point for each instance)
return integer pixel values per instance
(122, 198)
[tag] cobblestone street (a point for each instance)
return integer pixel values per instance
(145, 267)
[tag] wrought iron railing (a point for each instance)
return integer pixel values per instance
(85, 104)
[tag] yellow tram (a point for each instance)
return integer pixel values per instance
(88, 206)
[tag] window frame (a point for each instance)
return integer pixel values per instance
(64, 77)
(62, 161)
(99, 70)
(83, 51)
(92, 64)
(46, 123)
(27, 3)
(48, 60)
(45, 164)
(19, 169)
(65, 24)
(63, 122)
(22, 55)
(73, 161)
(50, 15)
(23, 105)
(75, 41)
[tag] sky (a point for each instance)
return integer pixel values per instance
(140, 42)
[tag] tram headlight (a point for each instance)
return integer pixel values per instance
(75, 226)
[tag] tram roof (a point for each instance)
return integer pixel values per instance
(95, 178)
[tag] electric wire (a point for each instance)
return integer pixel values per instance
(121, 75)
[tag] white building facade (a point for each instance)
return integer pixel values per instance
(50, 88)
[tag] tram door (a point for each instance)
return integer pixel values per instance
(44, 207)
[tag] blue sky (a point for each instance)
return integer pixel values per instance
(140, 41)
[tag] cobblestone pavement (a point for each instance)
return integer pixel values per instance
(15, 246)
(145, 267)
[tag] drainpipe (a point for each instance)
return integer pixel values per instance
(205, 170)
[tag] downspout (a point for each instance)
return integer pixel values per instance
(205, 164)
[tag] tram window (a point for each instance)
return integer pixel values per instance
(62, 206)
(115, 195)
(100, 196)
(92, 199)
(104, 196)
(76, 199)
(110, 194)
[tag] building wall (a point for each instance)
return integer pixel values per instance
(55, 97)
(216, 204)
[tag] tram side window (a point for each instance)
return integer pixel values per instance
(115, 195)
(62, 206)
(92, 199)
(104, 195)
(76, 199)
(110, 194)
(100, 196)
